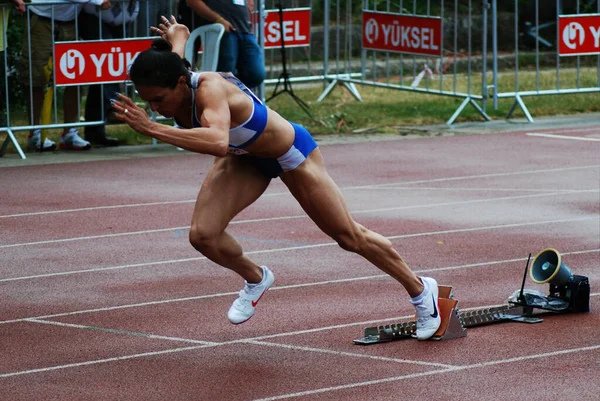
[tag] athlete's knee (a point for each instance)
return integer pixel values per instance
(202, 238)
(352, 240)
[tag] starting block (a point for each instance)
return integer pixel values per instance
(451, 326)
(454, 323)
(569, 293)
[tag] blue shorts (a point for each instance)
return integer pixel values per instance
(301, 148)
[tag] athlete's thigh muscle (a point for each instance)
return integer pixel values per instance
(231, 186)
(319, 195)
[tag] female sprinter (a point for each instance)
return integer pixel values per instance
(216, 114)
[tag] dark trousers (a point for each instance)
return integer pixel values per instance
(3, 91)
(98, 95)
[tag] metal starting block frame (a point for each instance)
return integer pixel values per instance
(454, 324)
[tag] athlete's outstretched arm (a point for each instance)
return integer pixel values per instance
(173, 32)
(212, 138)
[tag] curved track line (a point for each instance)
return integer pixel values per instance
(573, 138)
(301, 247)
(430, 373)
(277, 288)
(256, 340)
(303, 216)
(287, 193)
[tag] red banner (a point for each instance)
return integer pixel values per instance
(402, 33)
(102, 61)
(578, 35)
(295, 28)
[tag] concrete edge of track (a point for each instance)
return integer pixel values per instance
(404, 132)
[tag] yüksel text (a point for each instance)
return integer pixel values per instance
(412, 37)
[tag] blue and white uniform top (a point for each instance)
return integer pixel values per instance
(244, 134)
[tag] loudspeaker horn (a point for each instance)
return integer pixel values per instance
(549, 267)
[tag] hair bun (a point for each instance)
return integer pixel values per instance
(162, 45)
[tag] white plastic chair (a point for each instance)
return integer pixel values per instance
(210, 36)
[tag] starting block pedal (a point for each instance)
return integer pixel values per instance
(569, 293)
(451, 326)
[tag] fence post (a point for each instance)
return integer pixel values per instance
(325, 41)
(260, 37)
(495, 52)
(484, 93)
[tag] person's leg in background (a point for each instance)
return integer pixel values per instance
(150, 13)
(144, 19)
(70, 139)
(250, 61)
(98, 95)
(38, 56)
(3, 120)
(228, 53)
(3, 26)
(164, 8)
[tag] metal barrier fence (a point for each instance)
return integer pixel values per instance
(474, 50)
(575, 71)
(527, 33)
(429, 60)
(43, 113)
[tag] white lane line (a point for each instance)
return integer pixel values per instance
(562, 131)
(490, 175)
(430, 373)
(143, 232)
(303, 216)
(574, 138)
(474, 189)
(257, 339)
(349, 354)
(276, 288)
(120, 332)
(99, 361)
(88, 209)
(376, 322)
(181, 349)
(102, 269)
(467, 177)
(303, 247)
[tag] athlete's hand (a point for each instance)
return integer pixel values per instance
(171, 30)
(131, 114)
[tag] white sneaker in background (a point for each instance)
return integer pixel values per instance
(427, 310)
(72, 141)
(34, 140)
(244, 307)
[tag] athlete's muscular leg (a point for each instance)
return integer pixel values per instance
(231, 186)
(322, 200)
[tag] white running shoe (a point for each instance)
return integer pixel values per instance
(72, 141)
(244, 307)
(427, 310)
(35, 139)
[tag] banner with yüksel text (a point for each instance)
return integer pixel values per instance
(295, 28)
(578, 35)
(402, 33)
(101, 61)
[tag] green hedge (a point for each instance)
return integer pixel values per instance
(15, 34)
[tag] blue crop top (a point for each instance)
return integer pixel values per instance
(244, 134)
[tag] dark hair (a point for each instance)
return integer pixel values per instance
(159, 66)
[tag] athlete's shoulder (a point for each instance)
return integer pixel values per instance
(210, 79)
(207, 75)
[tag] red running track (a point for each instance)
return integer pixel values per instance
(104, 299)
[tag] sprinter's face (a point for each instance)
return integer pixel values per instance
(164, 100)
